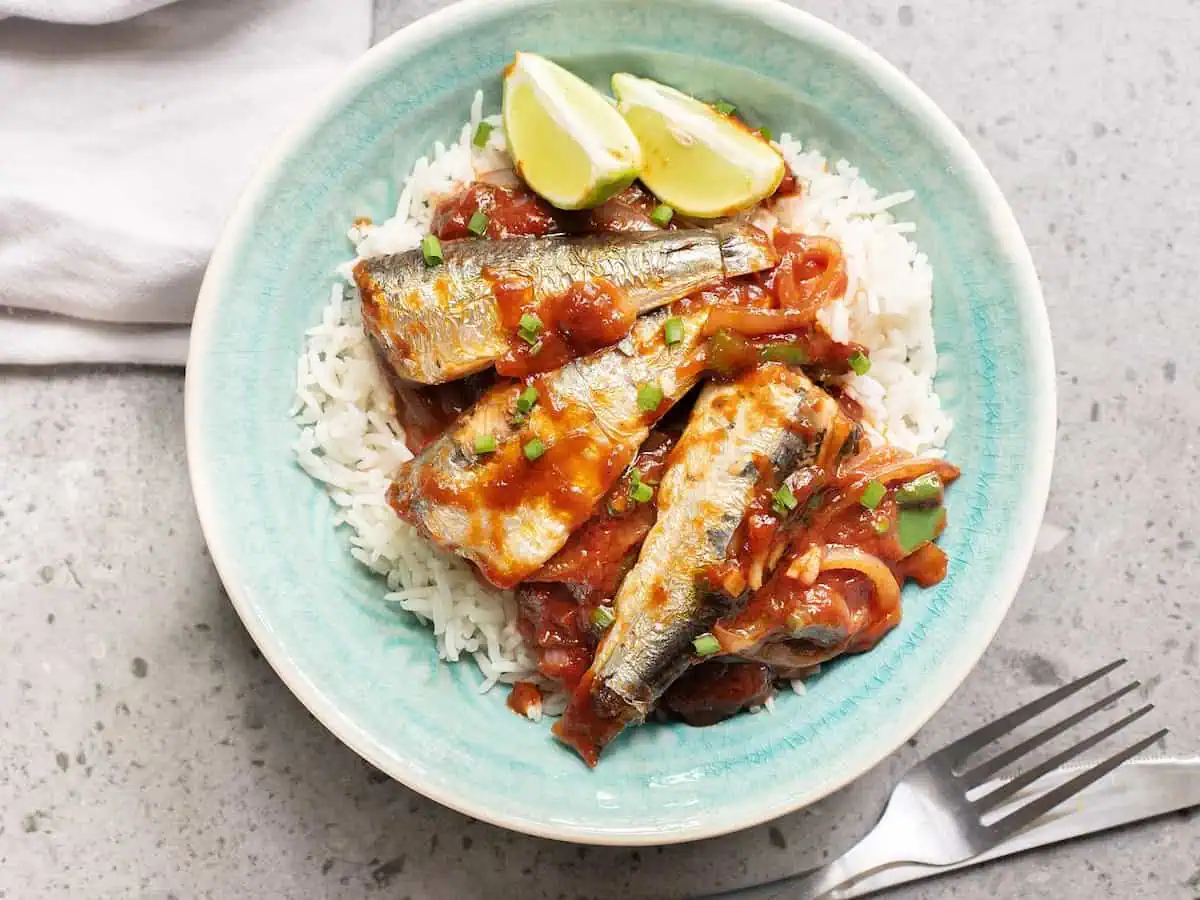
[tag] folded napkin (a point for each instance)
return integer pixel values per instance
(124, 148)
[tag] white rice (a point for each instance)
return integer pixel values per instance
(350, 442)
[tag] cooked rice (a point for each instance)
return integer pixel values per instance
(349, 439)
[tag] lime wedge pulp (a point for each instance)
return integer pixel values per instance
(702, 163)
(568, 141)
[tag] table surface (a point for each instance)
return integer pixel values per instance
(148, 750)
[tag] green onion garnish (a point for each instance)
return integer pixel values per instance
(918, 525)
(528, 399)
(785, 500)
(536, 347)
(431, 249)
(529, 328)
(662, 215)
(478, 224)
(923, 491)
(706, 645)
(859, 362)
(602, 616)
(485, 443)
(673, 330)
(534, 449)
(872, 494)
(881, 524)
(641, 492)
(766, 133)
(724, 108)
(791, 354)
(482, 132)
(649, 397)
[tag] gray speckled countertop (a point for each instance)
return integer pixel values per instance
(148, 750)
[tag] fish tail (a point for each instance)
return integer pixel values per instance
(745, 249)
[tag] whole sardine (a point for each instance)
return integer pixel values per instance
(509, 513)
(439, 323)
(743, 438)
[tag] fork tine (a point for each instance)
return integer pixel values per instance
(986, 770)
(1039, 806)
(1025, 779)
(977, 740)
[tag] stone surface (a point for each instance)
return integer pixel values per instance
(148, 751)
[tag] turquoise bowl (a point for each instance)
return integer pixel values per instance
(371, 675)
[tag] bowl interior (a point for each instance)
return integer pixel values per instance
(371, 674)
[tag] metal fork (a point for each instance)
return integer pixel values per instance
(931, 819)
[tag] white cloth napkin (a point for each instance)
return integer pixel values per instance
(123, 147)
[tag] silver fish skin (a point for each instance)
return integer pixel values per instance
(508, 514)
(437, 324)
(774, 414)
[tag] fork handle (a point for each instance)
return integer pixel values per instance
(875, 851)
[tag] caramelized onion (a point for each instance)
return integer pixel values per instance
(887, 590)
(756, 322)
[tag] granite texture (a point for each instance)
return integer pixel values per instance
(146, 750)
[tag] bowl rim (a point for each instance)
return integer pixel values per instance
(794, 23)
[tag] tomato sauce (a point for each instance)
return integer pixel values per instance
(511, 212)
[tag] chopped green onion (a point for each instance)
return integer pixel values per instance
(923, 491)
(859, 363)
(478, 224)
(482, 132)
(431, 250)
(534, 449)
(706, 645)
(529, 328)
(528, 399)
(649, 397)
(724, 108)
(766, 133)
(536, 347)
(485, 443)
(662, 215)
(641, 492)
(791, 354)
(872, 494)
(785, 500)
(881, 524)
(918, 525)
(603, 616)
(673, 330)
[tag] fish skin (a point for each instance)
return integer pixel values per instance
(587, 416)
(437, 324)
(708, 487)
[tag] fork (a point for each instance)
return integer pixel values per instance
(931, 818)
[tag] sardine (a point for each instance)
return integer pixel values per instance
(510, 514)
(743, 437)
(439, 323)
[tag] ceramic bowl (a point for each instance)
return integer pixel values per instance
(371, 675)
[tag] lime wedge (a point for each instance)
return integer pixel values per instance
(699, 161)
(569, 142)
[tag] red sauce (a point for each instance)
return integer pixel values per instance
(713, 691)
(598, 556)
(558, 626)
(525, 698)
(427, 411)
(586, 316)
(592, 314)
(511, 212)
(789, 186)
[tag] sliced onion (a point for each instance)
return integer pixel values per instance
(755, 322)
(887, 590)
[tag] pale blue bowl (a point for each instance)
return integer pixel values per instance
(370, 674)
